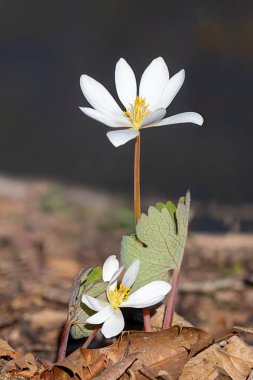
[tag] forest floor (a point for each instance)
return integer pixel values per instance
(49, 231)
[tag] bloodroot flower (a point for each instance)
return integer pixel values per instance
(156, 92)
(109, 313)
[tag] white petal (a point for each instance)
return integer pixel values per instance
(116, 275)
(98, 96)
(131, 274)
(153, 117)
(154, 81)
(185, 117)
(118, 138)
(113, 282)
(148, 295)
(125, 83)
(111, 265)
(114, 325)
(111, 121)
(172, 88)
(101, 316)
(94, 303)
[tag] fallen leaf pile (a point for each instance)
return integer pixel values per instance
(16, 366)
(232, 359)
(184, 353)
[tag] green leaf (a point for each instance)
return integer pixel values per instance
(170, 207)
(94, 275)
(159, 206)
(88, 281)
(159, 242)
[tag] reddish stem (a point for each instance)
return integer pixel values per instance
(64, 341)
(90, 338)
(137, 193)
(168, 318)
(147, 320)
(137, 212)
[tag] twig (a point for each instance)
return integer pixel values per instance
(147, 373)
(168, 318)
(91, 337)
(45, 363)
(225, 337)
(64, 341)
(137, 212)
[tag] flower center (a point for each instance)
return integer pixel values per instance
(117, 296)
(138, 111)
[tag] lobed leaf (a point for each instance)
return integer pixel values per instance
(159, 242)
(170, 207)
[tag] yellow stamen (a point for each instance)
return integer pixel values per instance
(138, 111)
(117, 296)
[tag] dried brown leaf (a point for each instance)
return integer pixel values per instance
(203, 366)
(247, 330)
(7, 351)
(75, 367)
(14, 364)
(233, 358)
(236, 358)
(116, 370)
(168, 350)
(250, 376)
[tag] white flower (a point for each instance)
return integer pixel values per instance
(156, 92)
(109, 313)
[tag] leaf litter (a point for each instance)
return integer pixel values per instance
(184, 353)
(232, 358)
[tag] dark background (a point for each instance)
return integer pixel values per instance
(46, 45)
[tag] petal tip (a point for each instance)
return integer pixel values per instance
(83, 82)
(83, 109)
(82, 78)
(111, 265)
(121, 60)
(200, 120)
(119, 66)
(86, 80)
(84, 298)
(118, 138)
(114, 143)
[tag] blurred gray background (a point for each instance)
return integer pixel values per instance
(46, 45)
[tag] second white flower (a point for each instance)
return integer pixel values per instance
(109, 313)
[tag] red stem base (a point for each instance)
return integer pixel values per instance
(168, 318)
(64, 341)
(147, 320)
